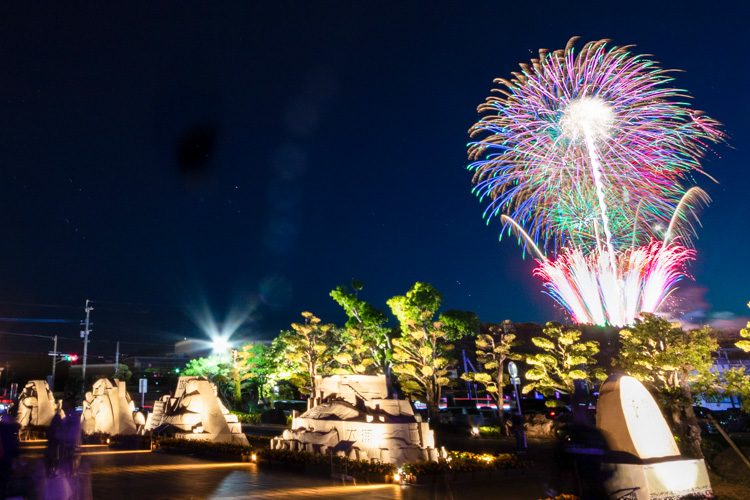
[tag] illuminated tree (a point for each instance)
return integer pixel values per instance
(249, 364)
(123, 373)
(421, 362)
(310, 349)
(365, 341)
(493, 349)
(276, 367)
(356, 354)
(421, 356)
(216, 369)
(673, 363)
(563, 360)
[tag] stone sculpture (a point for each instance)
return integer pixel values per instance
(646, 463)
(108, 409)
(36, 404)
(354, 408)
(195, 412)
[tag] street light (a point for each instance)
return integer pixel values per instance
(220, 345)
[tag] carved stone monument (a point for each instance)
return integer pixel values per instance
(647, 464)
(354, 408)
(108, 409)
(36, 404)
(195, 412)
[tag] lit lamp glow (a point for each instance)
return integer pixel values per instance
(220, 345)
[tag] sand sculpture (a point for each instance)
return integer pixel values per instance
(108, 409)
(195, 412)
(36, 404)
(352, 410)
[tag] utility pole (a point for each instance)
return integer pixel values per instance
(85, 335)
(54, 364)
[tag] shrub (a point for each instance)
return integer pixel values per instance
(492, 431)
(198, 446)
(352, 466)
(247, 418)
(462, 461)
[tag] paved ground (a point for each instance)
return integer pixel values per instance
(125, 475)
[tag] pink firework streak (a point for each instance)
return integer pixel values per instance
(586, 286)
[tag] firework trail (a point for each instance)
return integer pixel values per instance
(584, 155)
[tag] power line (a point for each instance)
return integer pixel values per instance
(95, 340)
(30, 304)
(38, 320)
(100, 302)
(30, 335)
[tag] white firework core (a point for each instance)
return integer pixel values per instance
(587, 116)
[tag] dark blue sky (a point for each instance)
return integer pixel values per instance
(264, 153)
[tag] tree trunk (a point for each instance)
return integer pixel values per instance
(677, 424)
(500, 395)
(694, 430)
(433, 406)
(313, 390)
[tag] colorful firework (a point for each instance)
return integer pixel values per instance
(588, 148)
(585, 155)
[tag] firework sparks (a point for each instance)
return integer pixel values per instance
(587, 287)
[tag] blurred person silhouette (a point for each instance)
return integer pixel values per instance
(8, 451)
(517, 422)
(579, 458)
(70, 437)
(52, 452)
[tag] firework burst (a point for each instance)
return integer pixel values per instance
(578, 144)
(585, 155)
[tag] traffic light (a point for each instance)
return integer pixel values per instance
(71, 357)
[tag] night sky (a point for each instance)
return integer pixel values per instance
(171, 160)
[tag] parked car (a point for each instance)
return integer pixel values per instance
(491, 415)
(556, 412)
(288, 405)
(733, 420)
(462, 416)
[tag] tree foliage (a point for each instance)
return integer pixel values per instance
(421, 361)
(366, 345)
(232, 373)
(249, 365)
(421, 356)
(358, 354)
(458, 324)
(657, 352)
(310, 350)
(493, 350)
(123, 373)
(217, 369)
(563, 360)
